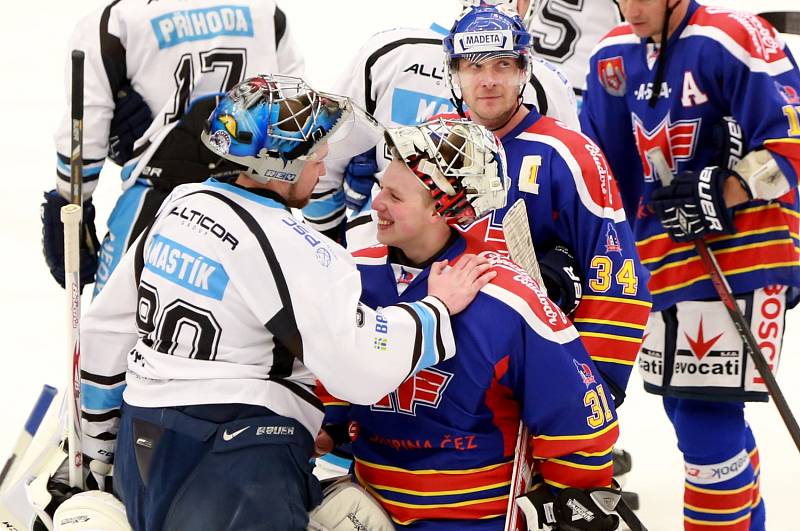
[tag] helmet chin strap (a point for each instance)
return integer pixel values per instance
(661, 60)
(513, 114)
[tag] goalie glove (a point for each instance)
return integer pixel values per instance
(561, 278)
(571, 510)
(359, 178)
(693, 205)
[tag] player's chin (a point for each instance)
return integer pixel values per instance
(298, 202)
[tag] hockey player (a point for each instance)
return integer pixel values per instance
(163, 55)
(400, 80)
(203, 347)
(671, 75)
(570, 193)
(439, 451)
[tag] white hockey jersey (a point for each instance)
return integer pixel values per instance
(228, 298)
(171, 52)
(565, 32)
(398, 76)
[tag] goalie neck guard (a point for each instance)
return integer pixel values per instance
(461, 164)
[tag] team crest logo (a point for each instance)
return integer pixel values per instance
(612, 240)
(788, 92)
(405, 276)
(585, 372)
(426, 388)
(676, 140)
(220, 142)
(612, 75)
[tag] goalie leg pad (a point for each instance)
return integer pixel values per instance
(93, 510)
(346, 506)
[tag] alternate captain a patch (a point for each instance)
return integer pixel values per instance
(612, 75)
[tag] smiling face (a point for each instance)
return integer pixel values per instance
(406, 216)
(490, 89)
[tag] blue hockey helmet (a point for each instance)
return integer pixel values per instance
(273, 124)
(527, 17)
(485, 32)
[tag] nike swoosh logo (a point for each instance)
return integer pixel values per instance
(228, 436)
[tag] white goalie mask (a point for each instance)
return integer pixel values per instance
(461, 163)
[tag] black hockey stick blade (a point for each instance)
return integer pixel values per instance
(784, 21)
(76, 155)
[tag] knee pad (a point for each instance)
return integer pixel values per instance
(346, 506)
(91, 510)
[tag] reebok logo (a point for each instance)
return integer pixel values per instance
(228, 436)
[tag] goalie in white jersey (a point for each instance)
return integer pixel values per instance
(199, 356)
(399, 78)
(164, 56)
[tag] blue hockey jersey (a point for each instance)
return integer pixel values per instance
(441, 447)
(572, 198)
(718, 63)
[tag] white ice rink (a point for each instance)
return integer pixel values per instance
(33, 323)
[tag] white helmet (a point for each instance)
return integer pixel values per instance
(92, 510)
(461, 163)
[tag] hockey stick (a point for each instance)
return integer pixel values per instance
(31, 425)
(521, 476)
(723, 289)
(71, 217)
(517, 232)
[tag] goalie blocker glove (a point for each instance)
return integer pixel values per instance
(571, 509)
(53, 238)
(693, 205)
(359, 178)
(561, 279)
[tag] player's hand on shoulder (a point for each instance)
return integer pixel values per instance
(693, 205)
(458, 285)
(562, 278)
(131, 119)
(359, 178)
(53, 238)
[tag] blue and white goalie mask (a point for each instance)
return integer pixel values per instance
(272, 124)
(462, 165)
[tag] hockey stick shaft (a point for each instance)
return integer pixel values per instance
(71, 216)
(31, 426)
(723, 289)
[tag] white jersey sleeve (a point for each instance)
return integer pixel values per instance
(552, 93)
(171, 52)
(230, 299)
(565, 32)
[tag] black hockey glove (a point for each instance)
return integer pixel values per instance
(359, 178)
(131, 119)
(693, 206)
(571, 510)
(561, 278)
(53, 238)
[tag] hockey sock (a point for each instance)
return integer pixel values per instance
(718, 492)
